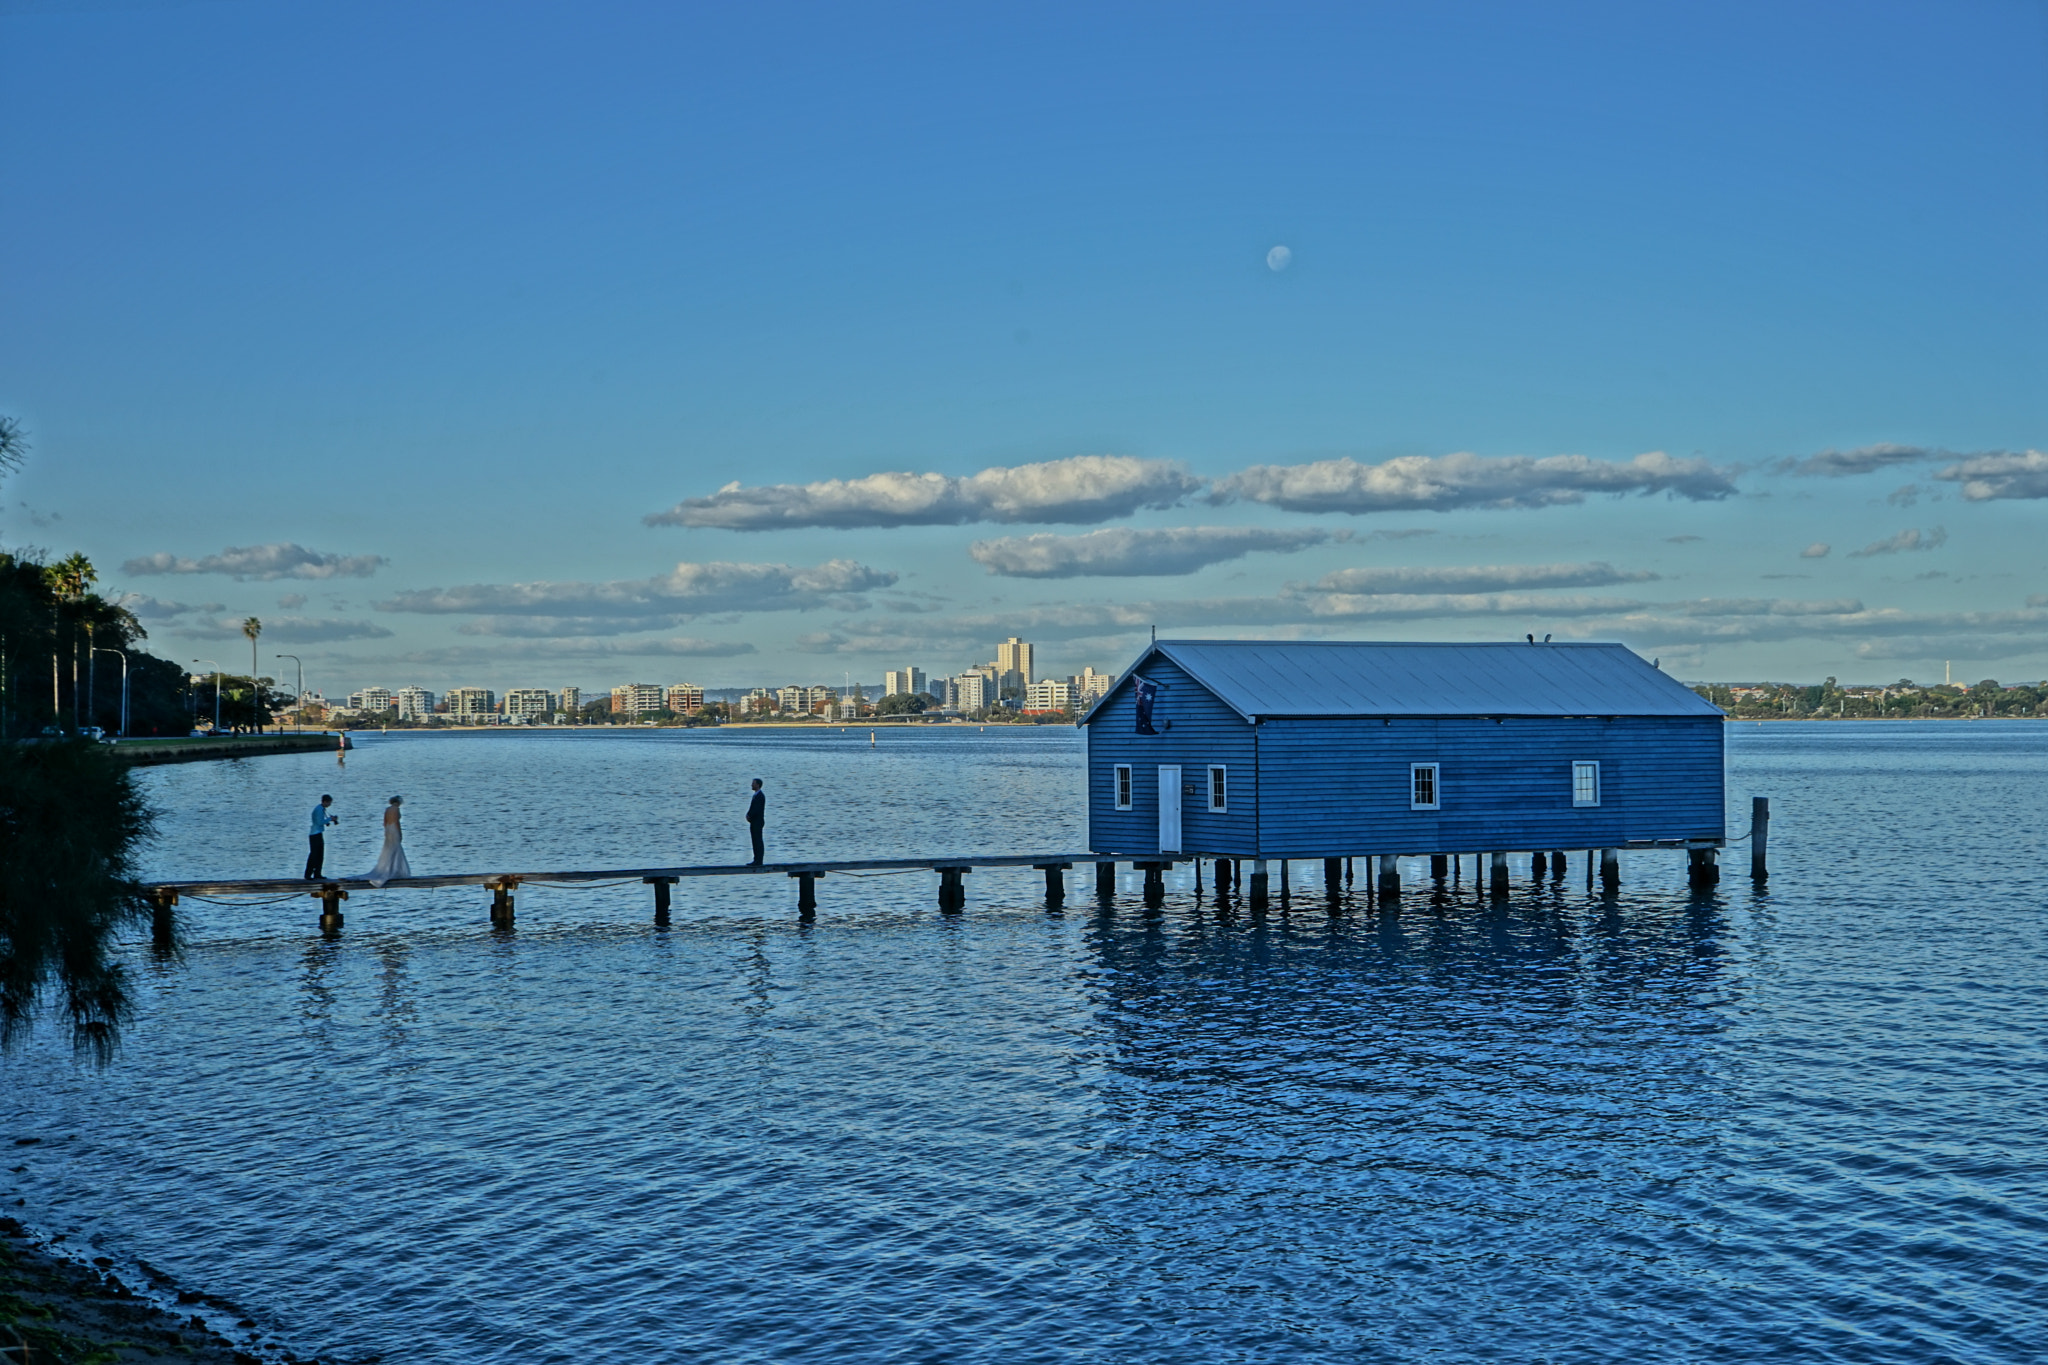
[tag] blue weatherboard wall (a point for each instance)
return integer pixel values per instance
(1303, 787)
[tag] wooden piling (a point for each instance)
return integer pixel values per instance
(1155, 882)
(1539, 865)
(163, 923)
(1759, 836)
(1261, 887)
(1105, 881)
(952, 893)
(331, 897)
(1055, 883)
(1439, 867)
(1497, 874)
(1333, 877)
(807, 894)
(1557, 865)
(661, 887)
(501, 903)
(1390, 877)
(1610, 868)
(1225, 867)
(1702, 870)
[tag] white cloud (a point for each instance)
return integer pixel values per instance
(2000, 474)
(1818, 550)
(292, 601)
(1904, 540)
(1839, 464)
(1441, 483)
(147, 608)
(1078, 490)
(262, 563)
(1125, 553)
(287, 630)
(1471, 579)
(661, 602)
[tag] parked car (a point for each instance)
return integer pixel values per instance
(92, 732)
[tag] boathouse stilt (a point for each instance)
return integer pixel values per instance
(1539, 865)
(952, 892)
(1610, 868)
(1439, 867)
(1224, 868)
(1390, 876)
(1497, 874)
(501, 903)
(1155, 882)
(1105, 881)
(1055, 883)
(1333, 877)
(806, 894)
(1759, 836)
(661, 887)
(1701, 870)
(1261, 885)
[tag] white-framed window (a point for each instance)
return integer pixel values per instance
(1423, 792)
(1585, 784)
(1123, 786)
(1219, 787)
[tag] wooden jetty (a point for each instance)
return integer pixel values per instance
(1248, 877)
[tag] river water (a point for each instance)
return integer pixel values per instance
(1802, 1125)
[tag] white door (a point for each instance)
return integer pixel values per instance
(1169, 809)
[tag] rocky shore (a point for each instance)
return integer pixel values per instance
(55, 1311)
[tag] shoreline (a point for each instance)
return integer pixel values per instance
(63, 1307)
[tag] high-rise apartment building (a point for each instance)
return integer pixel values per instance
(898, 681)
(414, 703)
(636, 699)
(527, 703)
(371, 699)
(1048, 694)
(468, 705)
(1015, 656)
(683, 698)
(971, 691)
(1091, 686)
(570, 700)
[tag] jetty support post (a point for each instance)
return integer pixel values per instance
(1497, 874)
(1105, 881)
(1592, 861)
(1439, 868)
(331, 897)
(1759, 836)
(1539, 866)
(163, 927)
(501, 901)
(661, 887)
(1610, 868)
(952, 894)
(1557, 865)
(806, 894)
(1055, 883)
(1701, 869)
(1224, 867)
(1333, 877)
(1261, 884)
(1390, 877)
(1155, 882)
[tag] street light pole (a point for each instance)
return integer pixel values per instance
(216, 693)
(299, 707)
(103, 649)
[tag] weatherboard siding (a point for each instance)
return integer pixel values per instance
(1205, 731)
(1341, 786)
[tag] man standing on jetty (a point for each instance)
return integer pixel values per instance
(757, 816)
(316, 839)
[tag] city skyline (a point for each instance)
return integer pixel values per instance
(865, 342)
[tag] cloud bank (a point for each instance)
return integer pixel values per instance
(1842, 464)
(2000, 474)
(1076, 491)
(1125, 553)
(1478, 578)
(261, 563)
(286, 630)
(1442, 483)
(1903, 541)
(625, 605)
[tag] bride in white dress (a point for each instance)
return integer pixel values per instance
(391, 861)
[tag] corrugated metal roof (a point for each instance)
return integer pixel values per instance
(1376, 678)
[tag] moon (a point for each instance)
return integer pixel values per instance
(1279, 258)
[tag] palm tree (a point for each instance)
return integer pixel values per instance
(13, 445)
(252, 628)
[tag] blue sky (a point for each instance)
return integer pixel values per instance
(431, 333)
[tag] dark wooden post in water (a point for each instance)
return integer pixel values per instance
(1224, 867)
(1610, 869)
(1333, 877)
(1759, 836)
(1155, 882)
(661, 887)
(1055, 883)
(1105, 881)
(1390, 876)
(1261, 885)
(807, 894)
(1539, 865)
(501, 902)
(1701, 871)
(1439, 867)
(952, 894)
(162, 923)
(1497, 874)
(331, 897)
(1557, 865)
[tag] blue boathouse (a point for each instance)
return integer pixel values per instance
(1262, 749)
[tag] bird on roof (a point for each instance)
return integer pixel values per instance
(1532, 639)
(1546, 639)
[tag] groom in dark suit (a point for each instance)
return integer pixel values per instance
(757, 816)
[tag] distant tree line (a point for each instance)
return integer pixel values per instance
(1903, 700)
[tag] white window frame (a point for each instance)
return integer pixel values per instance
(1219, 788)
(1436, 786)
(1582, 766)
(1120, 786)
